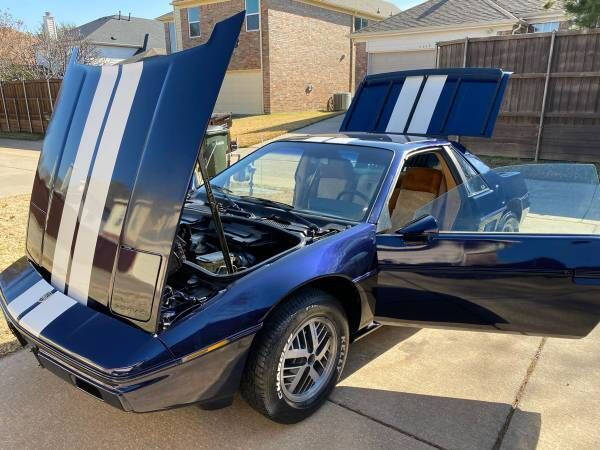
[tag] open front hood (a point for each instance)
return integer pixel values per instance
(114, 172)
(431, 102)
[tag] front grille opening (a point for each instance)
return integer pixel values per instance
(87, 387)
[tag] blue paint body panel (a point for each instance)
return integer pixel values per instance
(467, 105)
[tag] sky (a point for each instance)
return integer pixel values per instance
(78, 12)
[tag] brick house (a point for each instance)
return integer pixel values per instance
(292, 54)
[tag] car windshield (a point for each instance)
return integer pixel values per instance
(334, 180)
(557, 198)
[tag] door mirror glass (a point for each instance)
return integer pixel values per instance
(245, 174)
(423, 226)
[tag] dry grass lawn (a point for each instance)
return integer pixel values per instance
(13, 221)
(252, 130)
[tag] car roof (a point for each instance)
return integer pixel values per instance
(399, 143)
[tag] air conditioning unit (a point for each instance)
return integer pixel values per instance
(341, 101)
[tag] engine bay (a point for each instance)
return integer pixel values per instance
(197, 268)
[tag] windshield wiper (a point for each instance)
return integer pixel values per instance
(287, 208)
(223, 191)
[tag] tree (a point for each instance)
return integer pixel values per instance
(585, 13)
(52, 53)
(17, 53)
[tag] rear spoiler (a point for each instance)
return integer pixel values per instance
(432, 102)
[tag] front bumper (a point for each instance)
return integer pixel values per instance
(147, 377)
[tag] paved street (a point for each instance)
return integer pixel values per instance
(18, 161)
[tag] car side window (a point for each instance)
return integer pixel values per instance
(473, 182)
(424, 177)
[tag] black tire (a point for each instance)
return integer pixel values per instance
(509, 223)
(261, 383)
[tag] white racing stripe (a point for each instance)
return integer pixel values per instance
(427, 103)
(79, 173)
(100, 178)
(341, 140)
(404, 104)
(28, 298)
(317, 139)
(43, 315)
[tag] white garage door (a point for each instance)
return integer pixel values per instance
(241, 93)
(394, 61)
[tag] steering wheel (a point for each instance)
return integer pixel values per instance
(353, 192)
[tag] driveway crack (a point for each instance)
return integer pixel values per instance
(387, 425)
(519, 395)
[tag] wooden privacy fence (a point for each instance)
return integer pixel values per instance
(26, 106)
(551, 108)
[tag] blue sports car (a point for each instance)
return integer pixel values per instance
(149, 294)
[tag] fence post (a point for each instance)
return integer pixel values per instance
(17, 113)
(543, 111)
(4, 106)
(50, 95)
(40, 114)
(27, 107)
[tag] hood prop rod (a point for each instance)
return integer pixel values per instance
(212, 203)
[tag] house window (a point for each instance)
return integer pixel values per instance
(252, 15)
(172, 38)
(543, 27)
(194, 21)
(360, 23)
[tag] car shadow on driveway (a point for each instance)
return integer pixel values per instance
(441, 421)
(365, 350)
(447, 422)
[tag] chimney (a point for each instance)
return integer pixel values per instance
(48, 25)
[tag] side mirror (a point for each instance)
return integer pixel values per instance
(420, 228)
(244, 176)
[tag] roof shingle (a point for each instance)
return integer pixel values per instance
(112, 30)
(441, 13)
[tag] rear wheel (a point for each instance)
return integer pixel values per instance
(509, 223)
(298, 357)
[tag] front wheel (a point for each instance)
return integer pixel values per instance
(297, 358)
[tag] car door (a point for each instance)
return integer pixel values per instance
(445, 270)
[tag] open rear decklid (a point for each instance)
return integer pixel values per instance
(114, 173)
(432, 102)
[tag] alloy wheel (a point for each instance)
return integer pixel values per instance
(309, 359)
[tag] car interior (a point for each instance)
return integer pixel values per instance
(344, 185)
(424, 177)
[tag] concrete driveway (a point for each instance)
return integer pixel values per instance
(402, 388)
(18, 161)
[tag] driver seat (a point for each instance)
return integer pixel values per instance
(420, 186)
(334, 178)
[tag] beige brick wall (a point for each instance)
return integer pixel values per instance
(308, 46)
(303, 46)
(246, 55)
